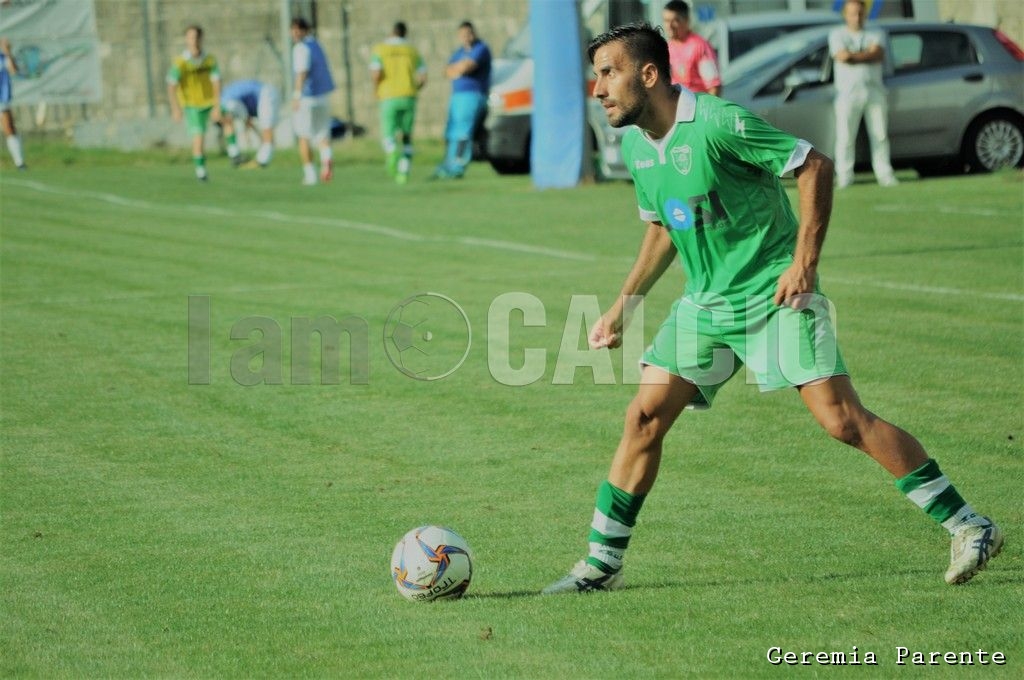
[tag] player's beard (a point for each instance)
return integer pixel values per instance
(630, 111)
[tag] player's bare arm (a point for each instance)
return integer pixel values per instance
(814, 186)
(869, 55)
(215, 109)
(300, 80)
(460, 68)
(172, 96)
(656, 254)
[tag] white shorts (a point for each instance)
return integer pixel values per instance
(313, 119)
(266, 107)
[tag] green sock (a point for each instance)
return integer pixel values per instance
(932, 491)
(232, 139)
(614, 518)
(199, 161)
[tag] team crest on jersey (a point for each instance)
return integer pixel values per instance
(682, 158)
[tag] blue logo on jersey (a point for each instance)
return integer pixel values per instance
(679, 214)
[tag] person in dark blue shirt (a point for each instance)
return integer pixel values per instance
(469, 69)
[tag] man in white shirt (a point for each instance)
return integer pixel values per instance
(860, 93)
(311, 102)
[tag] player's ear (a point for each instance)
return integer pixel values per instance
(649, 74)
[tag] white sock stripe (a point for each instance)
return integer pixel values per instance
(608, 527)
(926, 493)
(965, 515)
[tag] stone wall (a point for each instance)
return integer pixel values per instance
(246, 37)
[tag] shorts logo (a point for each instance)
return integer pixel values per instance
(679, 214)
(682, 158)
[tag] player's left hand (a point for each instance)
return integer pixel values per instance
(215, 114)
(795, 287)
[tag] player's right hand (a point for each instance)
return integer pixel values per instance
(176, 115)
(606, 333)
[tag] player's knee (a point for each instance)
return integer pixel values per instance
(642, 425)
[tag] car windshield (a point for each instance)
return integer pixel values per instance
(767, 56)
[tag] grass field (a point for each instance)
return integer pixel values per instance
(153, 527)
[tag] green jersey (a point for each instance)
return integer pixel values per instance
(713, 182)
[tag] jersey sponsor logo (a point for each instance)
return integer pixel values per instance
(698, 212)
(741, 127)
(679, 214)
(641, 165)
(682, 158)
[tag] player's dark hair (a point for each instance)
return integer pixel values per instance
(400, 29)
(301, 24)
(679, 7)
(195, 27)
(644, 44)
(467, 24)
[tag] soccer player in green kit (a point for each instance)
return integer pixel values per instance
(706, 174)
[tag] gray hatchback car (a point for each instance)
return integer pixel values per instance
(956, 94)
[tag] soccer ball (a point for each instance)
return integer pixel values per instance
(431, 563)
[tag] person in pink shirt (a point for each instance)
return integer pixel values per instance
(693, 60)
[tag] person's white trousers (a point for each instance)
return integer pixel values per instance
(851, 107)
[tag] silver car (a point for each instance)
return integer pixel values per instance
(956, 94)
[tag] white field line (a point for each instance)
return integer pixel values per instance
(928, 290)
(274, 216)
(491, 244)
(950, 210)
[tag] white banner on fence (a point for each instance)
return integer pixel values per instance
(56, 47)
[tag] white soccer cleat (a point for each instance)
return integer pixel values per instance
(973, 546)
(585, 578)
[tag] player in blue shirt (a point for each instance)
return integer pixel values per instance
(246, 101)
(469, 69)
(311, 102)
(8, 69)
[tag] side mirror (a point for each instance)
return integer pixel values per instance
(800, 79)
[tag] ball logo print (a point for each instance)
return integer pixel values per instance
(427, 336)
(431, 563)
(679, 214)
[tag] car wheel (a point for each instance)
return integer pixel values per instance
(510, 166)
(995, 141)
(513, 166)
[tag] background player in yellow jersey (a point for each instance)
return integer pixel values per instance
(398, 74)
(193, 84)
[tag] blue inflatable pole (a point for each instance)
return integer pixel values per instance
(559, 108)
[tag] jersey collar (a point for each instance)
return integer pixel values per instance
(686, 107)
(686, 112)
